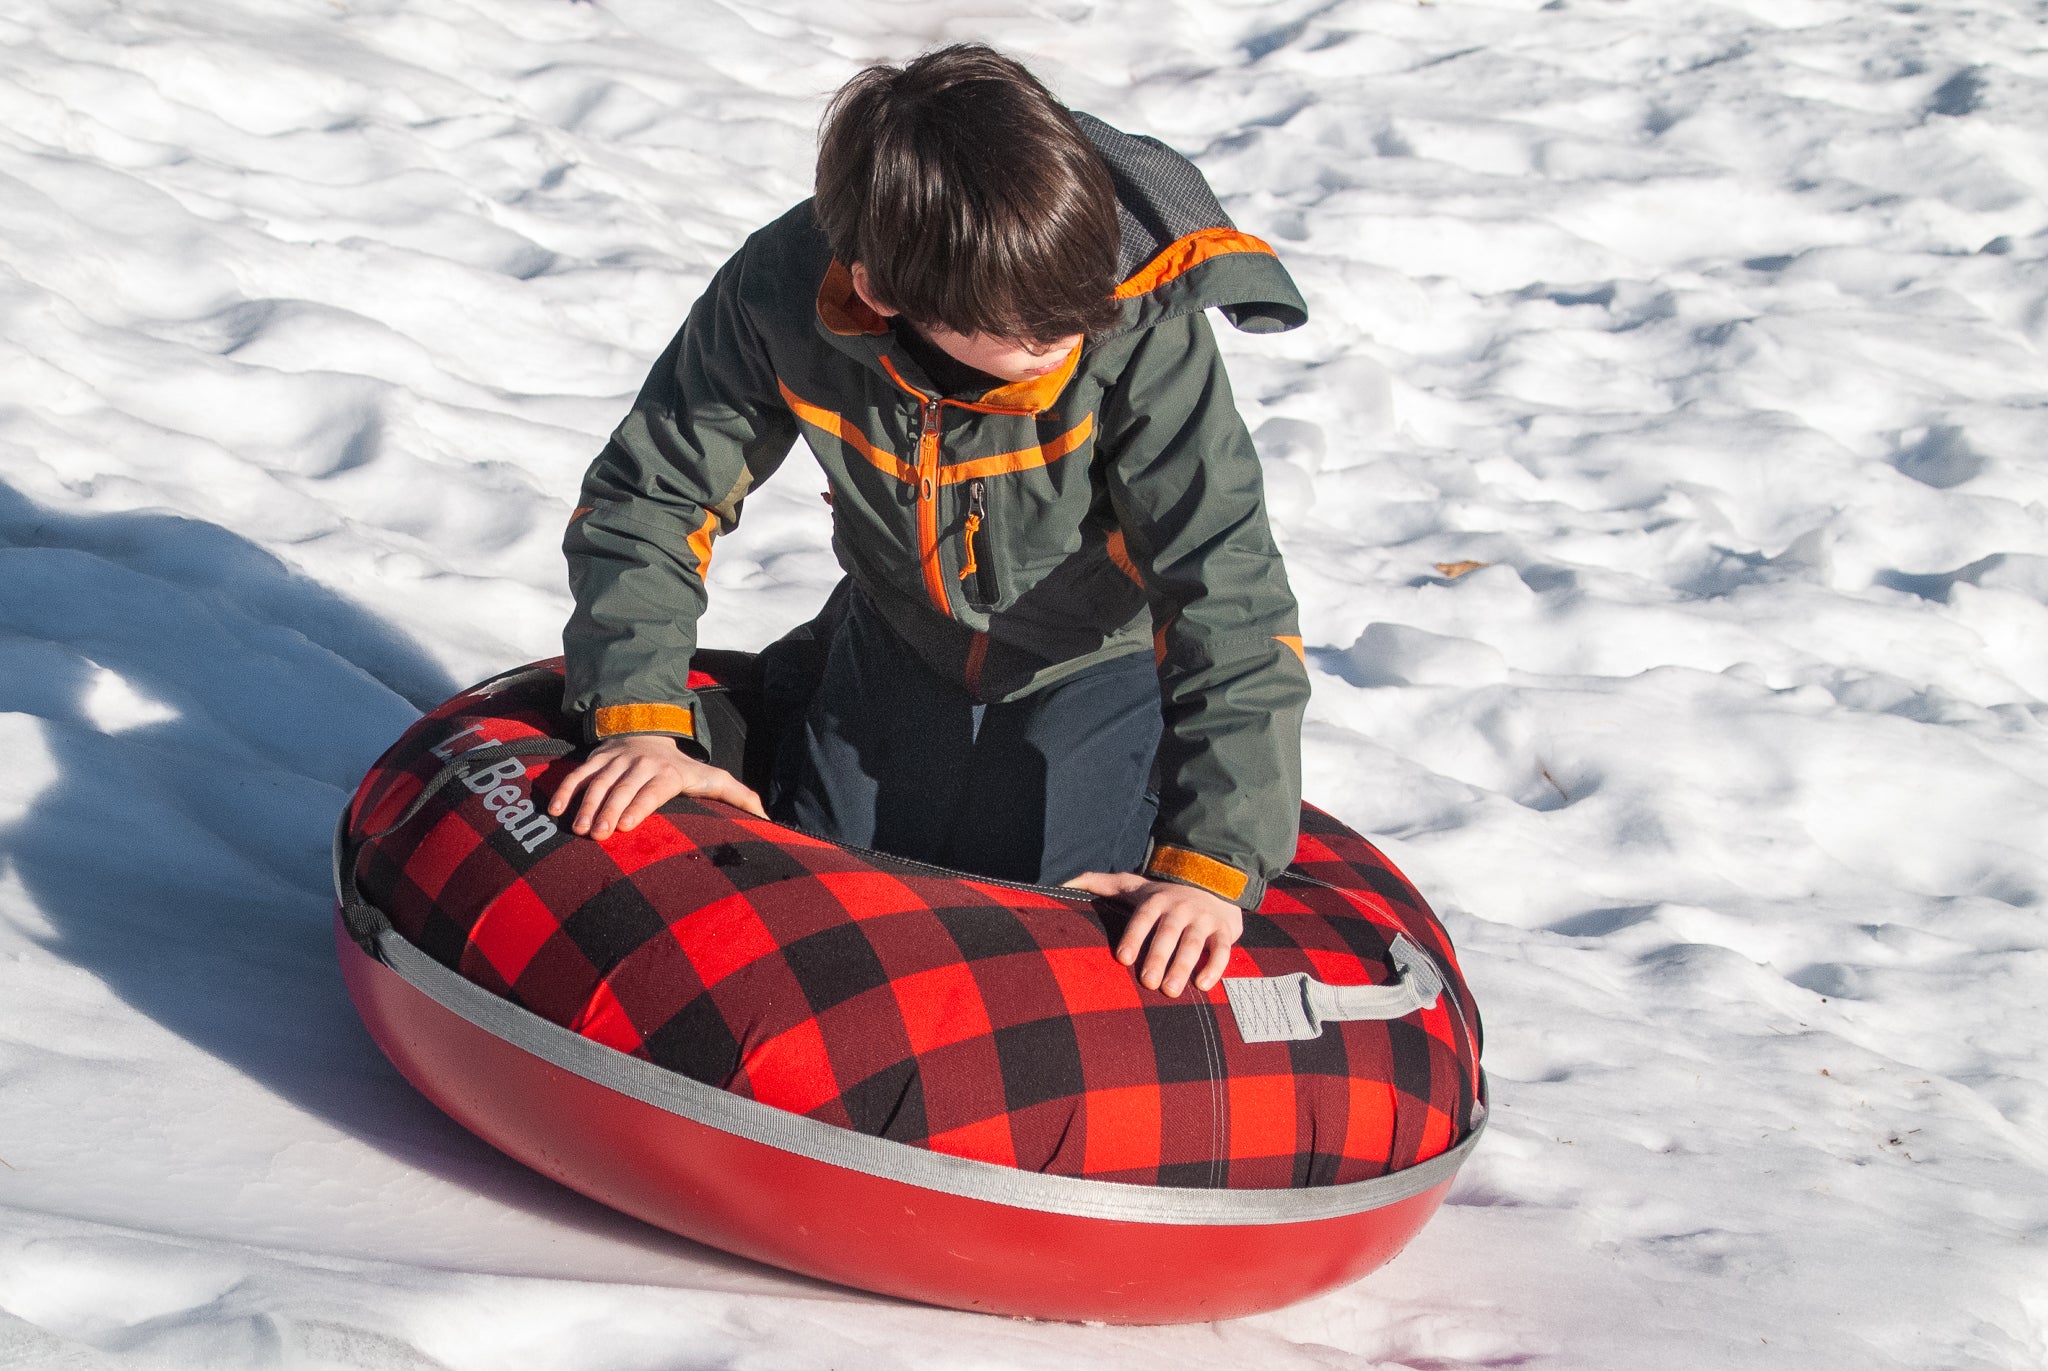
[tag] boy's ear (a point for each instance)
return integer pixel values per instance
(862, 288)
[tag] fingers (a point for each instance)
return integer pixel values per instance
(739, 796)
(1164, 956)
(654, 789)
(1193, 943)
(566, 791)
(597, 788)
(1140, 925)
(625, 786)
(1213, 967)
(620, 786)
(648, 785)
(1178, 930)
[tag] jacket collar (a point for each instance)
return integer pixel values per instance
(856, 329)
(840, 308)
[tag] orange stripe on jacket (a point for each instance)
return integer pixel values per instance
(819, 417)
(1023, 459)
(1178, 258)
(1120, 553)
(925, 476)
(700, 541)
(897, 377)
(928, 517)
(1159, 642)
(1294, 645)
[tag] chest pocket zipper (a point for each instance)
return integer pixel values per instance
(977, 567)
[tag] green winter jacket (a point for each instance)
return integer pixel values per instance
(1011, 537)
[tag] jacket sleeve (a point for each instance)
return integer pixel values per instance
(708, 424)
(1185, 483)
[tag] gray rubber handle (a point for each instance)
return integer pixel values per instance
(1271, 1009)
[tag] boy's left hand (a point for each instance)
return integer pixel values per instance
(1183, 923)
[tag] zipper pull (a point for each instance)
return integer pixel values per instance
(977, 506)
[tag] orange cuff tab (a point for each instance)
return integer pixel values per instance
(1218, 878)
(613, 719)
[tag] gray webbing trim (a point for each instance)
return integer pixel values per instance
(1272, 1009)
(871, 1156)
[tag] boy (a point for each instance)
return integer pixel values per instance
(988, 326)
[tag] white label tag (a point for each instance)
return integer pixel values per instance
(1270, 1009)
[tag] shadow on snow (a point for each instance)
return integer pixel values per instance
(206, 712)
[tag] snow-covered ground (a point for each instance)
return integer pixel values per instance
(1714, 331)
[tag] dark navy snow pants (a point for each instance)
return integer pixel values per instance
(892, 756)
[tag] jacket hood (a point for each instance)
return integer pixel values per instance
(1179, 251)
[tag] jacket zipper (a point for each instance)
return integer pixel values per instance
(976, 563)
(928, 507)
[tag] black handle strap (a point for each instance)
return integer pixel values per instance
(488, 755)
(363, 920)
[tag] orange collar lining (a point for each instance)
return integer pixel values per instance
(1034, 396)
(842, 309)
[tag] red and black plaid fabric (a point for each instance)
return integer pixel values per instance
(934, 1009)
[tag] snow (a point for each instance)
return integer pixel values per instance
(1712, 333)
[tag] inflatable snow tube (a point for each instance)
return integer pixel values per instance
(890, 1075)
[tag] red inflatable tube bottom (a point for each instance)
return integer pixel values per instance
(845, 1226)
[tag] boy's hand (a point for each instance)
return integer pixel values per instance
(625, 779)
(1183, 922)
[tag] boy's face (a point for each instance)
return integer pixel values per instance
(999, 357)
(1003, 358)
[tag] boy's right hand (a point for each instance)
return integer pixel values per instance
(625, 779)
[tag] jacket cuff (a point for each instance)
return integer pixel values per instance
(675, 721)
(1186, 867)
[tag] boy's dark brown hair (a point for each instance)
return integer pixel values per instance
(971, 196)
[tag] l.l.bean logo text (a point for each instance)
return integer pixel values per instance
(502, 785)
